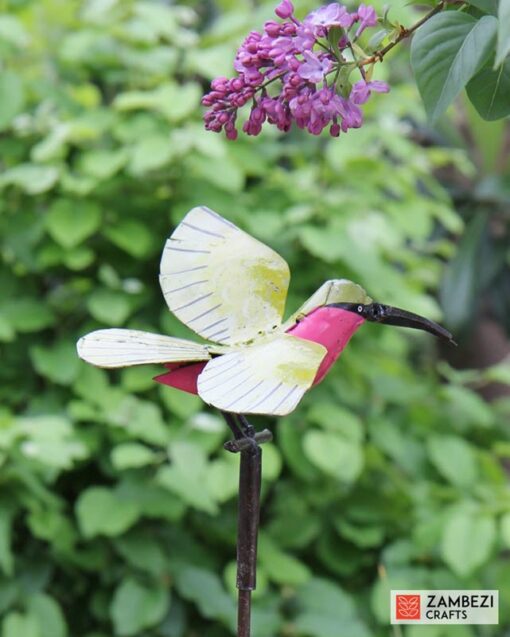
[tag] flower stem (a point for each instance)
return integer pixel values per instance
(378, 56)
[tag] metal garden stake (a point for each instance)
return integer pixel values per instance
(230, 289)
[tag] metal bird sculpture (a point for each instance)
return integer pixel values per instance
(230, 289)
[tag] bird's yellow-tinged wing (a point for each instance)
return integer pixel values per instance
(267, 378)
(122, 348)
(221, 282)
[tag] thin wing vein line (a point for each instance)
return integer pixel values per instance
(197, 300)
(285, 397)
(204, 313)
(187, 250)
(266, 397)
(244, 395)
(209, 232)
(185, 287)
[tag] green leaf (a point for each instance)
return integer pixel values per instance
(322, 243)
(69, 222)
(505, 530)
(139, 379)
(101, 512)
(136, 607)
(459, 287)
(205, 590)
(335, 418)
(180, 403)
(31, 178)
(336, 456)
(327, 611)
(222, 478)
(6, 555)
(103, 164)
(149, 154)
(229, 178)
(11, 90)
(281, 567)
(466, 406)
(487, 6)
(141, 419)
(446, 53)
(142, 551)
(109, 306)
(499, 373)
(18, 625)
(131, 455)
(172, 100)
(13, 31)
(7, 332)
(27, 314)
(152, 500)
(453, 457)
(503, 47)
(131, 236)
(186, 476)
(468, 538)
(79, 258)
(59, 363)
(363, 536)
(489, 91)
(48, 614)
(50, 441)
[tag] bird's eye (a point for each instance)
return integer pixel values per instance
(360, 308)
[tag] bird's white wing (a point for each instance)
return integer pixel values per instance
(122, 348)
(221, 282)
(269, 378)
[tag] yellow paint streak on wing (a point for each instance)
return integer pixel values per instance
(267, 378)
(221, 282)
(123, 348)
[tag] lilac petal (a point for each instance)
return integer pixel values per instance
(325, 16)
(379, 87)
(285, 9)
(361, 90)
(367, 17)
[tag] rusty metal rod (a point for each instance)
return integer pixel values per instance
(247, 444)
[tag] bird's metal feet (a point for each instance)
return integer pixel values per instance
(245, 436)
(248, 442)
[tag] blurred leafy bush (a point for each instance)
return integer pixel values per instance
(118, 504)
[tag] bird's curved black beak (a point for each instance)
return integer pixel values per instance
(388, 315)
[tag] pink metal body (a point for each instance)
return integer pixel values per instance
(329, 326)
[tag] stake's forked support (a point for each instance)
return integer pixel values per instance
(246, 442)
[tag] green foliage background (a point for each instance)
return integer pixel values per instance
(117, 502)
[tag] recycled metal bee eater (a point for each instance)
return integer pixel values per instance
(230, 289)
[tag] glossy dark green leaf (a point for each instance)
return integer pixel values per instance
(503, 48)
(487, 6)
(446, 53)
(489, 91)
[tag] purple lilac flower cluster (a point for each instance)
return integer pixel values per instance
(292, 72)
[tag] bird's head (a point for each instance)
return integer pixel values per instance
(346, 295)
(388, 315)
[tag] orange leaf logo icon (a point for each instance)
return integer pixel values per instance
(408, 607)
